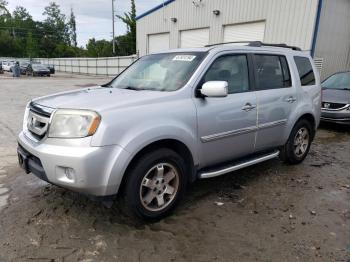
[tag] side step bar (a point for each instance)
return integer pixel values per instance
(239, 165)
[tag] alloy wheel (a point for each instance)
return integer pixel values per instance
(301, 142)
(159, 187)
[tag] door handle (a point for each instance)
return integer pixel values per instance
(291, 99)
(248, 107)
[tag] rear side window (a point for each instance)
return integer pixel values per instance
(306, 73)
(272, 72)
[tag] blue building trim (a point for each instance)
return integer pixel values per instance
(155, 9)
(317, 25)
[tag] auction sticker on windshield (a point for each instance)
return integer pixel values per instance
(184, 58)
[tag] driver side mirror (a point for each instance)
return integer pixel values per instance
(214, 89)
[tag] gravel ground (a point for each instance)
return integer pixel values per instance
(269, 212)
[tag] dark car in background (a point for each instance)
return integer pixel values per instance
(51, 68)
(336, 98)
(23, 67)
(37, 70)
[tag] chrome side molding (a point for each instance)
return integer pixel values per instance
(242, 131)
(273, 124)
(239, 166)
(209, 138)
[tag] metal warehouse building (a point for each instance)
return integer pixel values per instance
(321, 27)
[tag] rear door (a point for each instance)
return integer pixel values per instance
(276, 96)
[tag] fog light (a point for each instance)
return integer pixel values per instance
(69, 172)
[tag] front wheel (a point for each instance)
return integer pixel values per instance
(298, 144)
(155, 184)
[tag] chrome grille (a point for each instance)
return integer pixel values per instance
(37, 124)
(38, 120)
(333, 106)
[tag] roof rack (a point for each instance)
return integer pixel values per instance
(258, 44)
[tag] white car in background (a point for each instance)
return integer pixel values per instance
(7, 66)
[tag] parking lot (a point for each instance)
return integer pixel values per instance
(269, 212)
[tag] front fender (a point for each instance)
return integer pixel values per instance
(132, 144)
(134, 128)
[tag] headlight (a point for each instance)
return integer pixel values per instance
(67, 123)
(25, 118)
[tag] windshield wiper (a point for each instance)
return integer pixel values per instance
(132, 88)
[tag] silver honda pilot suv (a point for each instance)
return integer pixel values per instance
(174, 117)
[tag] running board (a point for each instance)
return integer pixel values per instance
(239, 165)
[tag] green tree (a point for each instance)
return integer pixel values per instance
(9, 46)
(21, 36)
(22, 23)
(72, 29)
(21, 14)
(55, 24)
(3, 8)
(99, 48)
(64, 50)
(31, 46)
(54, 30)
(129, 41)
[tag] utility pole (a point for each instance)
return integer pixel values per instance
(113, 40)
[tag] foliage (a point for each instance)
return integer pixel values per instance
(99, 48)
(72, 29)
(3, 9)
(128, 43)
(56, 30)
(31, 46)
(56, 36)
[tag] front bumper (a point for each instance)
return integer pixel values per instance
(41, 73)
(339, 117)
(95, 171)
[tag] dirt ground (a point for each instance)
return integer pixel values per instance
(270, 212)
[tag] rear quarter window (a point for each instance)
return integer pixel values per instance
(306, 73)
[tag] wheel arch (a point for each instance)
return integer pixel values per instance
(310, 118)
(176, 145)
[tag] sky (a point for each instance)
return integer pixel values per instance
(93, 17)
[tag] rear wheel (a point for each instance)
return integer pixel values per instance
(155, 184)
(298, 144)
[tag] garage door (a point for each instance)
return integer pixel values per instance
(244, 32)
(194, 38)
(158, 42)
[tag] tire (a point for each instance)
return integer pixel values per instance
(299, 142)
(157, 175)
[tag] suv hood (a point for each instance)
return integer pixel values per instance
(336, 96)
(99, 98)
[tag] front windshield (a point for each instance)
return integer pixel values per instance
(338, 81)
(159, 72)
